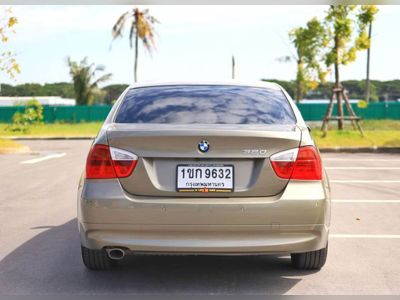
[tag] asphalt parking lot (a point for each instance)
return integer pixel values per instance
(40, 249)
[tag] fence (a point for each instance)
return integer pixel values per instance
(310, 112)
(67, 114)
(381, 110)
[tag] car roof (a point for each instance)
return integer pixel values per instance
(263, 84)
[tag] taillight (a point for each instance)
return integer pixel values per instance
(308, 164)
(107, 162)
(283, 162)
(301, 163)
(99, 163)
(124, 162)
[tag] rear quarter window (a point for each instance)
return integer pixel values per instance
(205, 104)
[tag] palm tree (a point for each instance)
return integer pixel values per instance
(141, 27)
(83, 77)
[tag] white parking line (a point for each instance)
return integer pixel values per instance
(365, 236)
(366, 201)
(359, 159)
(39, 159)
(365, 181)
(362, 168)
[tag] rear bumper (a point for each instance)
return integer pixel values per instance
(285, 223)
(206, 239)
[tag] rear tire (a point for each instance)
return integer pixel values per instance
(313, 260)
(96, 259)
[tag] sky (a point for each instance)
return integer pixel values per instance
(193, 43)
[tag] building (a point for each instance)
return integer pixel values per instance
(44, 100)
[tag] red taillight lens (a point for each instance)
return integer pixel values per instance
(301, 163)
(99, 164)
(107, 162)
(124, 162)
(283, 162)
(308, 164)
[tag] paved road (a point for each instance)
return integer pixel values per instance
(39, 245)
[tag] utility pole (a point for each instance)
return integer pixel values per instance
(233, 67)
(367, 81)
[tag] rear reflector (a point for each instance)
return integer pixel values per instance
(107, 162)
(302, 163)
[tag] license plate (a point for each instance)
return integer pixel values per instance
(204, 178)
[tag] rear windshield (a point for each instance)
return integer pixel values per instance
(205, 104)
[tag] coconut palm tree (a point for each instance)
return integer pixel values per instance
(141, 27)
(83, 77)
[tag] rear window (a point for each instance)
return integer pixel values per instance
(205, 104)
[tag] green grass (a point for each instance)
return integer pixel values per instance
(378, 133)
(381, 133)
(368, 125)
(351, 138)
(9, 146)
(379, 125)
(57, 129)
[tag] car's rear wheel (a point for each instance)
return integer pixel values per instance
(312, 260)
(96, 259)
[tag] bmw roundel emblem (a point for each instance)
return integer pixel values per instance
(204, 146)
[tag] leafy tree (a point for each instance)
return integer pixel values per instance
(8, 63)
(112, 92)
(355, 88)
(340, 22)
(61, 89)
(289, 86)
(141, 27)
(388, 90)
(308, 42)
(83, 77)
(32, 115)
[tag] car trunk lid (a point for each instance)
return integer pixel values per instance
(162, 147)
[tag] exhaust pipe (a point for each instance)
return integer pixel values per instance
(115, 253)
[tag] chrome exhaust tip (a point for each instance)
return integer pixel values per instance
(115, 253)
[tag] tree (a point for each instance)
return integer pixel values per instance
(141, 27)
(8, 63)
(289, 86)
(340, 22)
(83, 78)
(32, 115)
(367, 18)
(308, 42)
(112, 92)
(62, 89)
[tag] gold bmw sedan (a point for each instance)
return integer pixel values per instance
(204, 168)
